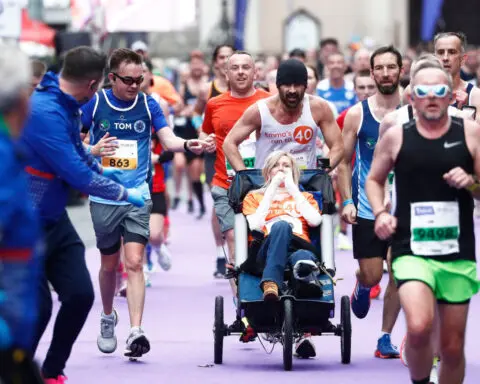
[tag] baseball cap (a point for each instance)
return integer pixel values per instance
(139, 46)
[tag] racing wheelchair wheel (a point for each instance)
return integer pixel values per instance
(287, 333)
(346, 335)
(218, 330)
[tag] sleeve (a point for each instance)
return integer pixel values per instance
(87, 114)
(312, 201)
(7, 192)
(207, 126)
(250, 204)
(158, 118)
(51, 142)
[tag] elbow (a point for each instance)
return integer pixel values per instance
(226, 145)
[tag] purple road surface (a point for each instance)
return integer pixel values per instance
(178, 319)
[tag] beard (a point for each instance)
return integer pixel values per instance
(434, 116)
(388, 89)
(291, 99)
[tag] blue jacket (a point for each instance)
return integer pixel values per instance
(57, 156)
(20, 253)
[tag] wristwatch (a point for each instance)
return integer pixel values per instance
(185, 146)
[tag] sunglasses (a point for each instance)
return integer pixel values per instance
(423, 91)
(128, 80)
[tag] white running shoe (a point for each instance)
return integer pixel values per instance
(107, 341)
(164, 257)
(343, 242)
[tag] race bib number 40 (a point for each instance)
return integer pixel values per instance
(435, 228)
(126, 156)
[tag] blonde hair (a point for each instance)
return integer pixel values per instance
(272, 160)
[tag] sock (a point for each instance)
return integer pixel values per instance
(198, 191)
(220, 252)
(110, 316)
(135, 329)
(383, 334)
(423, 381)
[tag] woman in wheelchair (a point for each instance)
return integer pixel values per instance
(279, 216)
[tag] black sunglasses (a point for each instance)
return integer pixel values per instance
(128, 80)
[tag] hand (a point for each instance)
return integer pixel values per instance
(196, 146)
(349, 214)
(385, 225)
(135, 197)
(290, 185)
(107, 146)
(461, 97)
(278, 179)
(211, 143)
(458, 178)
(112, 173)
(155, 158)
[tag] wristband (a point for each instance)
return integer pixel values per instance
(346, 202)
(197, 121)
(89, 149)
(185, 147)
(473, 187)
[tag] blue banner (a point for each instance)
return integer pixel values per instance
(431, 11)
(240, 17)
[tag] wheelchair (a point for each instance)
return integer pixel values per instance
(290, 317)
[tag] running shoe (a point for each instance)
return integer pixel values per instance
(385, 348)
(360, 301)
(221, 269)
(434, 372)
(304, 348)
(137, 343)
(190, 206)
(403, 355)
(122, 291)
(343, 242)
(175, 203)
(146, 277)
(107, 341)
(375, 291)
(58, 380)
(164, 257)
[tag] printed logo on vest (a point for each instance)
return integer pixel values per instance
(370, 143)
(139, 126)
(104, 125)
(303, 134)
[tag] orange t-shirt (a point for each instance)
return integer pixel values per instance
(221, 114)
(284, 209)
(166, 90)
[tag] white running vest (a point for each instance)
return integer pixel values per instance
(297, 138)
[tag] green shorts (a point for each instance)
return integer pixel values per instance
(453, 282)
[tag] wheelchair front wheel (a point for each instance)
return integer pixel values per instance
(287, 333)
(218, 330)
(346, 335)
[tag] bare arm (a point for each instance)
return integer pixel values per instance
(169, 141)
(201, 100)
(248, 123)
(389, 121)
(472, 133)
(349, 135)
(330, 130)
(386, 152)
(476, 102)
(165, 110)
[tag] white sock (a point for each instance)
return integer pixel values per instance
(110, 316)
(135, 329)
(383, 334)
(220, 252)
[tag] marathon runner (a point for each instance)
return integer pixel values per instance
(217, 86)
(189, 163)
(289, 121)
(57, 161)
(20, 253)
(437, 163)
(360, 135)
(129, 114)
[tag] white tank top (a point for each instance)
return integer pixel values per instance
(405, 113)
(297, 138)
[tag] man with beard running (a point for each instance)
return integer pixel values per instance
(360, 135)
(288, 121)
(437, 163)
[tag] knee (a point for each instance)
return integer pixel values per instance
(82, 297)
(281, 227)
(134, 264)
(302, 254)
(451, 349)
(110, 264)
(371, 278)
(156, 237)
(419, 332)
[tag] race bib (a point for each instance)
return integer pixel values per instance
(247, 151)
(180, 121)
(126, 156)
(294, 222)
(435, 228)
(391, 179)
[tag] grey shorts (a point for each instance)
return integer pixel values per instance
(209, 160)
(112, 222)
(225, 214)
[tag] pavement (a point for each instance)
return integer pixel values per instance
(178, 319)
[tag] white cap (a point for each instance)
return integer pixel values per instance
(139, 46)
